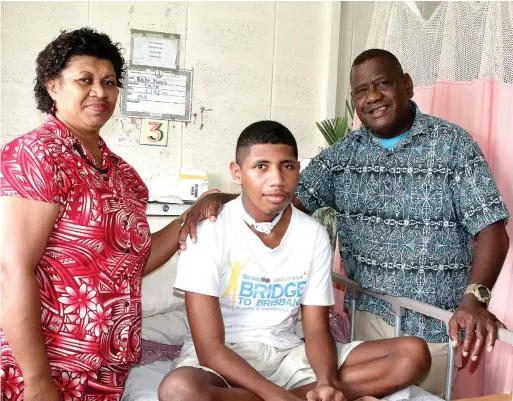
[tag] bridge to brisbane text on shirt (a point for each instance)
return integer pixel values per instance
(263, 293)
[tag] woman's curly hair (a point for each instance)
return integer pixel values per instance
(56, 55)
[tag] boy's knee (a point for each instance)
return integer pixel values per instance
(415, 357)
(179, 387)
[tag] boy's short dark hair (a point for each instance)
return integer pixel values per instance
(261, 133)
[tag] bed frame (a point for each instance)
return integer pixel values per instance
(399, 307)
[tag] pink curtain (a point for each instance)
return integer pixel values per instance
(485, 109)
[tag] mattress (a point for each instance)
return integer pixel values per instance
(143, 383)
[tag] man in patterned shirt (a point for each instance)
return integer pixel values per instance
(419, 214)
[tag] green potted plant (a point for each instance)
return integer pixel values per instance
(334, 129)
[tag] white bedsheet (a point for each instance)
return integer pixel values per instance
(143, 383)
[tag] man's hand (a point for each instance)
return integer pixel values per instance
(325, 393)
(208, 206)
(44, 389)
(480, 326)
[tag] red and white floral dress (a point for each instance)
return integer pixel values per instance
(91, 271)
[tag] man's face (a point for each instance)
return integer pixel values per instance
(381, 95)
(268, 176)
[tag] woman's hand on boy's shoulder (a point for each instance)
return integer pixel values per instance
(208, 206)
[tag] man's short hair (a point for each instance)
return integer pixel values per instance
(262, 133)
(375, 53)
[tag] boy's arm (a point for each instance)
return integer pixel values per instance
(207, 329)
(321, 351)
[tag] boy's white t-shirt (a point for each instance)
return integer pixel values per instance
(260, 289)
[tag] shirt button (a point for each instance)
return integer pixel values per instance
(127, 250)
(125, 277)
(127, 304)
(116, 199)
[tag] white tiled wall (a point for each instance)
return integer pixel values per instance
(355, 21)
(251, 60)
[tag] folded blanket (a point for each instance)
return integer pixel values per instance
(152, 352)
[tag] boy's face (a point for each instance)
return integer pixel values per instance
(268, 176)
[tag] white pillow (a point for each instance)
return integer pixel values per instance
(157, 290)
(166, 328)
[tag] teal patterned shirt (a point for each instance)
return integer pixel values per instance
(407, 217)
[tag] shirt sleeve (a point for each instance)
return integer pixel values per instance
(315, 187)
(319, 287)
(199, 266)
(28, 170)
(476, 198)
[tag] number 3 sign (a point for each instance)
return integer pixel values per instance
(154, 132)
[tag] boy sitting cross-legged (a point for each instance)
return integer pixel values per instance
(245, 280)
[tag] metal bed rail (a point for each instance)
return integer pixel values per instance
(399, 306)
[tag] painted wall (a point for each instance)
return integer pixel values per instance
(251, 61)
(287, 61)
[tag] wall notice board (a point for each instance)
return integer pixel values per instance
(155, 92)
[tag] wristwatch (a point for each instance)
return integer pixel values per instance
(479, 292)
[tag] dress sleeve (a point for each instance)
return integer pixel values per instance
(28, 170)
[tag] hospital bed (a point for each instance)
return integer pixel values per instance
(399, 306)
(143, 381)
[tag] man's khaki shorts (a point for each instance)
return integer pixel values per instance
(370, 327)
(287, 368)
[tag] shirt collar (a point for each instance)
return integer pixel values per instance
(56, 126)
(420, 122)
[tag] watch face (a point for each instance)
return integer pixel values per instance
(483, 292)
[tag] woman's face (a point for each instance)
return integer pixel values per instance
(85, 94)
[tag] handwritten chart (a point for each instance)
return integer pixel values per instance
(154, 92)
